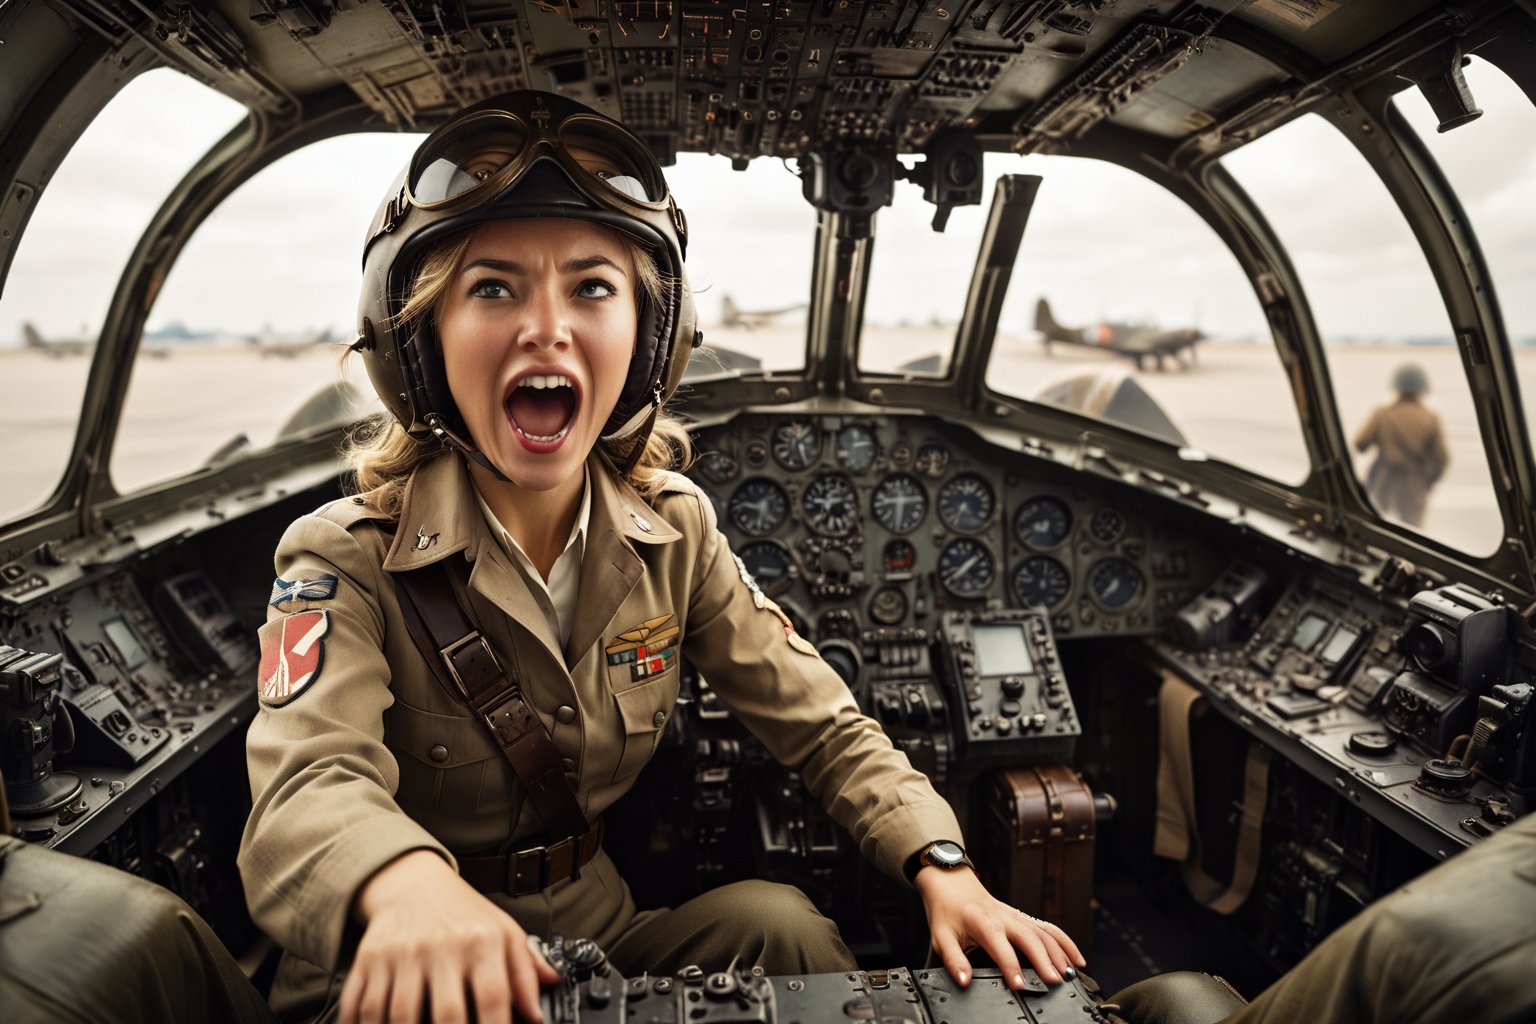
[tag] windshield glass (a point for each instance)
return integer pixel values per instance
(1396, 372)
(1491, 163)
(751, 243)
(68, 262)
(1123, 305)
(243, 346)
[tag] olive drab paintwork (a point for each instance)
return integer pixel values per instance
(374, 759)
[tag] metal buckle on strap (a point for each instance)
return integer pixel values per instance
(510, 719)
(470, 657)
(539, 867)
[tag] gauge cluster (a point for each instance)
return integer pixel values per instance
(857, 523)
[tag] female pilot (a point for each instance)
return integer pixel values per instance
(468, 661)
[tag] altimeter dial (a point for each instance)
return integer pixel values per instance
(966, 503)
(899, 503)
(758, 507)
(966, 568)
(831, 505)
(796, 444)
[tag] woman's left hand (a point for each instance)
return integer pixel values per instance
(963, 915)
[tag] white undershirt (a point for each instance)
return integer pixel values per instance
(557, 597)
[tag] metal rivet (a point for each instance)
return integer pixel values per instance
(438, 753)
(565, 714)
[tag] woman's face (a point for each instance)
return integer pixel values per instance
(537, 329)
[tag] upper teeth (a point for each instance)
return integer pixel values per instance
(545, 380)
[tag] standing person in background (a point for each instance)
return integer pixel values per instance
(1410, 448)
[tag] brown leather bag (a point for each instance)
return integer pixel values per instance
(1037, 830)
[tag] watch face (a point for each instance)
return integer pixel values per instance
(945, 855)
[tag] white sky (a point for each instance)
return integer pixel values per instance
(282, 254)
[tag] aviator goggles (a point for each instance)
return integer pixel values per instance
(475, 157)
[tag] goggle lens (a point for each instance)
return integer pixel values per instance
(464, 159)
(622, 164)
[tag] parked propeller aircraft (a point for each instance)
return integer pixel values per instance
(1138, 342)
(1194, 695)
(732, 315)
(56, 346)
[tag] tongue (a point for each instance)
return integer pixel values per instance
(541, 412)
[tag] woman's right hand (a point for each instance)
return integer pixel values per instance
(429, 934)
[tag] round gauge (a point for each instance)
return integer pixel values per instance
(966, 568)
(931, 460)
(900, 556)
(888, 606)
(899, 503)
(1107, 525)
(718, 467)
(830, 505)
(856, 447)
(767, 561)
(901, 453)
(1041, 582)
(755, 454)
(966, 503)
(796, 444)
(1115, 584)
(1042, 523)
(758, 507)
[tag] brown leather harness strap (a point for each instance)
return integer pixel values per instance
(1178, 835)
(463, 662)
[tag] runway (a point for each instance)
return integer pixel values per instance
(1234, 403)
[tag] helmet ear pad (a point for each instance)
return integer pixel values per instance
(428, 370)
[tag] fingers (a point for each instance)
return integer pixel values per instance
(494, 990)
(447, 985)
(1064, 940)
(353, 993)
(405, 998)
(955, 962)
(523, 967)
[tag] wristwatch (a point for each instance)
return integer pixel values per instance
(945, 855)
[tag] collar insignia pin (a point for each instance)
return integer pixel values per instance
(424, 539)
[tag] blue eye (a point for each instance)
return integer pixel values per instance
(596, 289)
(490, 289)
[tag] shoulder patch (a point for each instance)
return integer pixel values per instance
(317, 589)
(292, 654)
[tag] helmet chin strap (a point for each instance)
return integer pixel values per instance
(639, 426)
(443, 433)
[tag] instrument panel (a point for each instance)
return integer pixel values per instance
(857, 523)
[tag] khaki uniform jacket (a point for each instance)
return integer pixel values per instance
(357, 755)
(1407, 435)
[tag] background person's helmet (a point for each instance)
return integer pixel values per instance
(511, 157)
(1410, 379)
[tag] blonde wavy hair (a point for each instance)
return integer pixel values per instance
(382, 455)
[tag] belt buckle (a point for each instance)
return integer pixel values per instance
(529, 871)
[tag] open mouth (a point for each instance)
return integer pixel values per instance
(542, 407)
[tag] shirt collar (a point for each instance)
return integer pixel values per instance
(579, 528)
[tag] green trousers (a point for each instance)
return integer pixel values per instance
(83, 942)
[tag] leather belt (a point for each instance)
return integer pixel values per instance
(535, 868)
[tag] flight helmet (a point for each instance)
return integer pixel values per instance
(1410, 379)
(522, 154)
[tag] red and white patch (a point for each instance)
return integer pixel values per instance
(292, 651)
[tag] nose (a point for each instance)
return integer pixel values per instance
(546, 321)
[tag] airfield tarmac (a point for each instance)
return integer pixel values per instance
(1234, 404)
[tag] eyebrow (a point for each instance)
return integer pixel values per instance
(574, 265)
